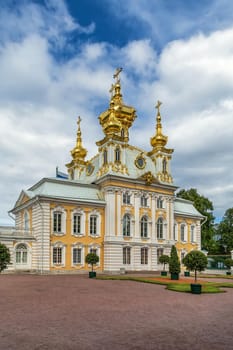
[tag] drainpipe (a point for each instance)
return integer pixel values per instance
(42, 238)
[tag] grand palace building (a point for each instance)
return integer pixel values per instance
(120, 204)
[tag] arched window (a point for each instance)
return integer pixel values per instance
(192, 233)
(144, 256)
(105, 157)
(26, 220)
(21, 254)
(117, 154)
(144, 227)
(160, 228)
(182, 232)
(126, 225)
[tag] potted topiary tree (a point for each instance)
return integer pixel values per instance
(92, 259)
(5, 257)
(164, 259)
(174, 264)
(195, 261)
(228, 263)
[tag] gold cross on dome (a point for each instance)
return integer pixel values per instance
(79, 121)
(116, 74)
(158, 106)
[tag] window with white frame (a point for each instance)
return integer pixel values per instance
(77, 255)
(159, 203)
(144, 256)
(126, 255)
(94, 223)
(144, 227)
(126, 225)
(126, 198)
(26, 221)
(182, 255)
(175, 231)
(160, 228)
(159, 253)
(57, 255)
(164, 165)
(21, 254)
(192, 233)
(182, 232)
(143, 201)
(117, 154)
(57, 216)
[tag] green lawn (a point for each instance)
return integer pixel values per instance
(207, 287)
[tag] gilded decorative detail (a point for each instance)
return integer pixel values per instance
(89, 169)
(140, 161)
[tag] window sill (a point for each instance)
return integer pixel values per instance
(94, 236)
(58, 233)
(78, 234)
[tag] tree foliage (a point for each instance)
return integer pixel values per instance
(5, 257)
(174, 262)
(225, 230)
(195, 261)
(228, 263)
(164, 259)
(92, 259)
(205, 207)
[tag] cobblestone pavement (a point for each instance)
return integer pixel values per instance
(74, 312)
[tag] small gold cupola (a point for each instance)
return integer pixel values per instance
(160, 155)
(159, 141)
(78, 154)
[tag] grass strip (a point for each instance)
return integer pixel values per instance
(208, 287)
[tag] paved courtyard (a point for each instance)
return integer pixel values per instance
(74, 312)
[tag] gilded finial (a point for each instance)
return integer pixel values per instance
(158, 107)
(117, 73)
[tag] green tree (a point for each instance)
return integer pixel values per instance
(225, 230)
(195, 261)
(205, 207)
(164, 259)
(228, 263)
(174, 262)
(92, 259)
(5, 257)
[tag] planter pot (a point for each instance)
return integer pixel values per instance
(228, 273)
(187, 273)
(163, 273)
(174, 276)
(195, 288)
(92, 274)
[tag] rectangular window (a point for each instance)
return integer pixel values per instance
(126, 255)
(159, 253)
(93, 251)
(77, 255)
(77, 224)
(192, 234)
(57, 222)
(160, 203)
(93, 225)
(182, 233)
(143, 201)
(144, 256)
(126, 198)
(57, 255)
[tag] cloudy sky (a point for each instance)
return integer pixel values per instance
(57, 58)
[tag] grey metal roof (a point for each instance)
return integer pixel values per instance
(185, 207)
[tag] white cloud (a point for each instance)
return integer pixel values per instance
(41, 97)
